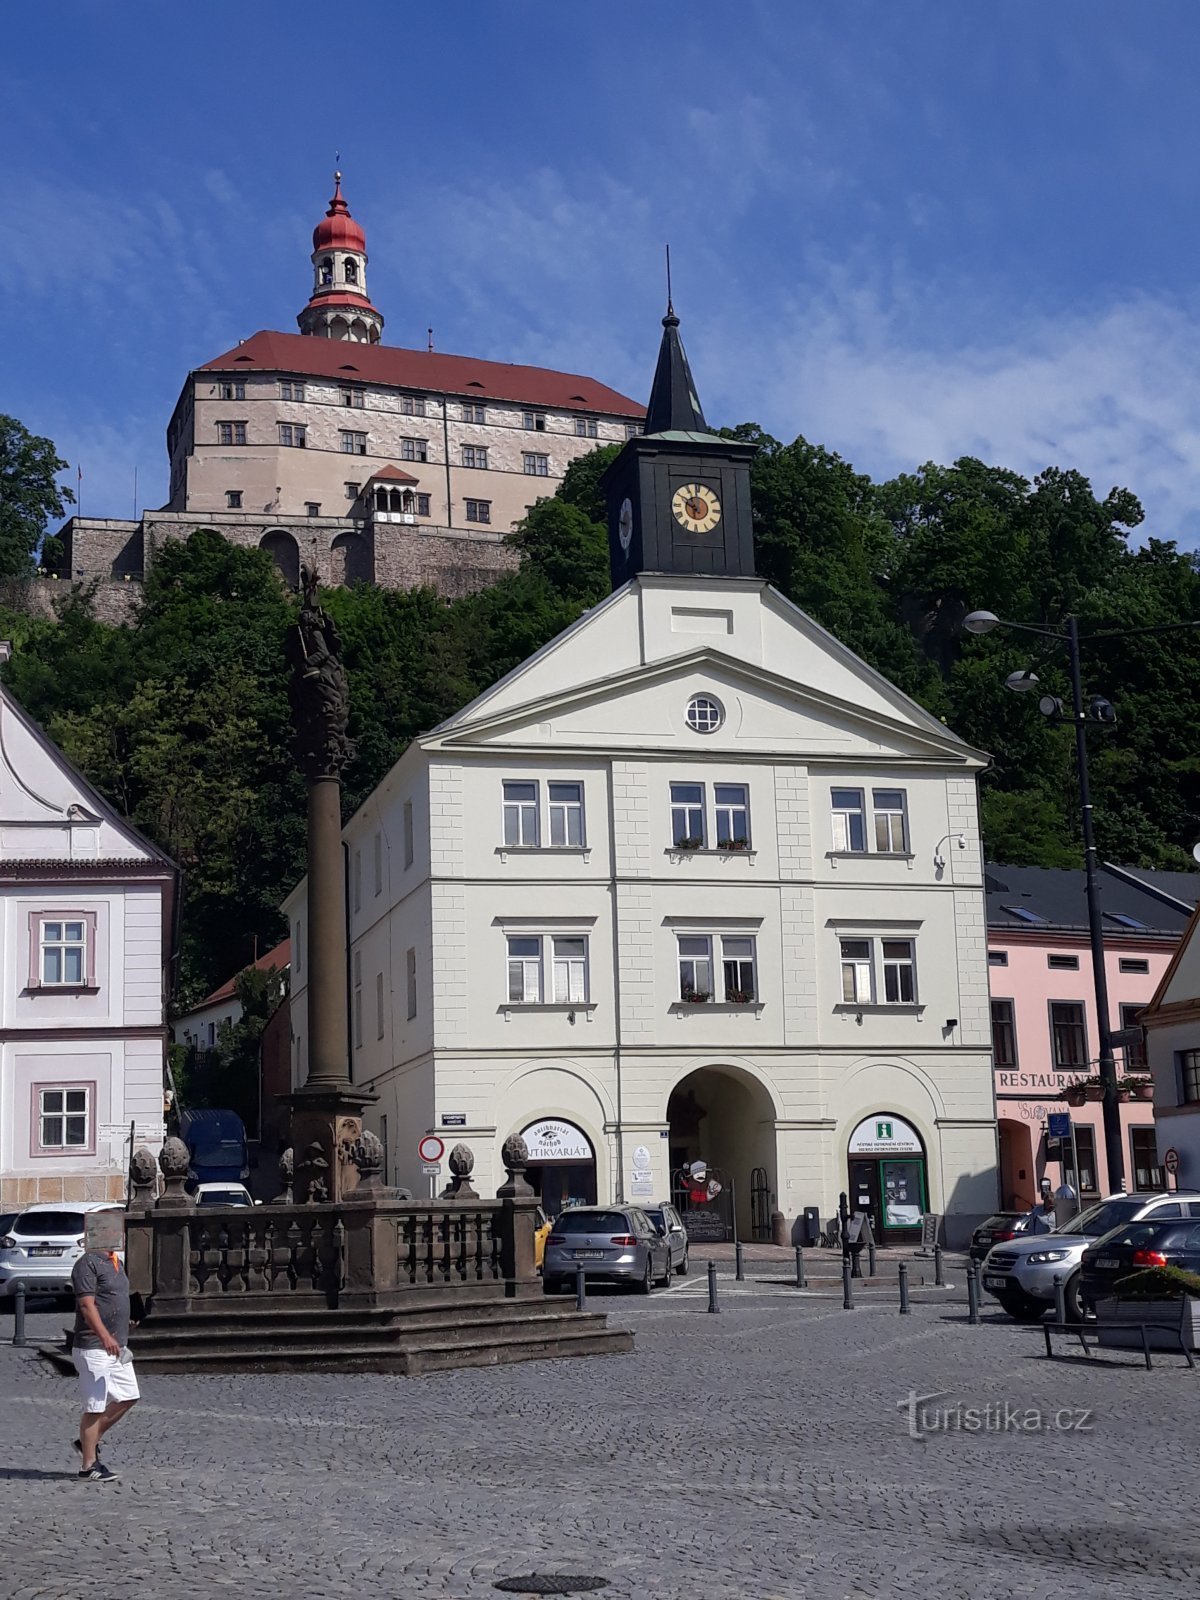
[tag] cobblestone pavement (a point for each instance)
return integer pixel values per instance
(757, 1454)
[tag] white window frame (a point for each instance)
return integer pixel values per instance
(524, 966)
(727, 810)
(44, 1113)
(570, 969)
(687, 810)
(695, 966)
(842, 819)
(521, 811)
(894, 966)
(64, 946)
(563, 811)
(746, 963)
(858, 972)
(894, 820)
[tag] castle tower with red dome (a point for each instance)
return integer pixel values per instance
(339, 306)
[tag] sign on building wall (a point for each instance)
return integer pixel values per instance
(551, 1140)
(884, 1136)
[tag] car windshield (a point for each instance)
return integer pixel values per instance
(41, 1224)
(1102, 1218)
(223, 1197)
(592, 1222)
(210, 1152)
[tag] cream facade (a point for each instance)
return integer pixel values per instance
(592, 909)
(1172, 1024)
(88, 911)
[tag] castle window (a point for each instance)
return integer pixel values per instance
(327, 270)
(475, 455)
(233, 391)
(473, 413)
(231, 433)
(293, 434)
(290, 391)
(353, 444)
(412, 405)
(585, 427)
(353, 397)
(534, 421)
(479, 510)
(233, 499)
(414, 450)
(422, 505)
(312, 508)
(353, 490)
(536, 466)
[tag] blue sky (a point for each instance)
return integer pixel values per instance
(908, 229)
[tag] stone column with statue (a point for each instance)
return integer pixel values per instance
(327, 1131)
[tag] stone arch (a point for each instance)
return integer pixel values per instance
(285, 553)
(339, 328)
(350, 560)
(725, 1116)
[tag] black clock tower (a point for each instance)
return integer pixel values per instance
(677, 496)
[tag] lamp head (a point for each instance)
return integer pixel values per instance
(981, 621)
(1021, 682)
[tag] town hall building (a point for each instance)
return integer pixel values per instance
(693, 884)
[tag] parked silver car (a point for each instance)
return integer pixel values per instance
(42, 1245)
(616, 1244)
(670, 1224)
(1021, 1272)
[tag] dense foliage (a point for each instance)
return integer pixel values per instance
(181, 719)
(29, 497)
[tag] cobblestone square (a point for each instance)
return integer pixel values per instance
(764, 1452)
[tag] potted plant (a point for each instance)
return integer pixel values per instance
(697, 997)
(690, 842)
(1093, 1088)
(1139, 1088)
(1074, 1094)
(739, 997)
(1168, 1297)
(733, 844)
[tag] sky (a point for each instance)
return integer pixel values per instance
(909, 230)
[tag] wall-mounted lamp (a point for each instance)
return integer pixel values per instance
(939, 859)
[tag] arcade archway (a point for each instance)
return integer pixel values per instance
(562, 1164)
(285, 553)
(724, 1117)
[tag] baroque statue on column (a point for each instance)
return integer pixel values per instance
(317, 689)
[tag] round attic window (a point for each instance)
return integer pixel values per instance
(704, 714)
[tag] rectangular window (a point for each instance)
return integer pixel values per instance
(231, 433)
(233, 391)
(64, 1117)
(353, 490)
(472, 412)
(293, 434)
(849, 821)
(570, 971)
(1148, 1176)
(695, 967)
(1063, 963)
(521, 815)
(566, 815)
(524, 970)
(290, 390)
(379, 1005)
(358, 880)
(1135, 1054)
(422, 505)
(1085, 1143)
(1004, 1034)
(536, 466)
(585, 427)
(1133, 964)
(64, 953)
(358, 1000)
(1068, 1035)
(737, 959)
(414, 449)
(687, 815)
(533, 421)
(733, 816)
(353, 444)
(312, 508)
(891, 825)
(1189, 1076)
(633, 430)
(899, 972)
(233, 499)
(997, 958)
(353, 398)
(410, 981)
(475, 455)
(378, 844)
(412, 405)
(857, 985)
(479, 510)
(409, 838)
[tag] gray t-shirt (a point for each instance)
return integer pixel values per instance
(95, 1274)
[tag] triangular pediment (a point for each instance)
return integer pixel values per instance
(1179, 985)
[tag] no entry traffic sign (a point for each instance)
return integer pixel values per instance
(431, 1148)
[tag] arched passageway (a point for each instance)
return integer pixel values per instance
(285, 553)
(723, 1117)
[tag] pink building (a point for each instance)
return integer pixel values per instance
(1044, 1032)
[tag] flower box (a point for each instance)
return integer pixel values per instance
(696, 997)
(1093, 1091)
(739, 997)
(1074, 1096)
(1123, 1316)
(689, 844)
(733, 844)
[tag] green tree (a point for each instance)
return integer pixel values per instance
(227, 1076)
(29, 495)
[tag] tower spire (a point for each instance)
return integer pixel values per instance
(674, 407)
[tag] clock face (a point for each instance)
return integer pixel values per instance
(625, 523)
(696, 507)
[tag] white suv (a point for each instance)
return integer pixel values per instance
(42, 1245)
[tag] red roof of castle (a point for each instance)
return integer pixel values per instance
(424, 370)
(393, 475)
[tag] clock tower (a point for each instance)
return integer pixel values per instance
(678, 496)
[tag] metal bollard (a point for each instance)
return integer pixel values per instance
(580, 1290)
(904, 1312)
(972, 1295)
(712, 1287)
(737, 1256)
(1060, 1299)
(847, 1288)
(19, 1314)
(871, 1260)
(801, 1279)
(939, 1277)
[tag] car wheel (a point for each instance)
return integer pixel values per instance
(1073, 1299)
(647, 1279)
(668, 1272)
(682, 1268)
(1022, 1306)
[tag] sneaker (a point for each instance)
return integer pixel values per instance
(97, 1474)
(78, 1448)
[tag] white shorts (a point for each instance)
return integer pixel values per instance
(104, 1378)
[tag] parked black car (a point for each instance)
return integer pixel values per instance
(997, 1229)
(1135, 1246)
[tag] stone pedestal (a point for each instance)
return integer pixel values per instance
(327, 1132)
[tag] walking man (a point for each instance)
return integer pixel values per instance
(107, 1384)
